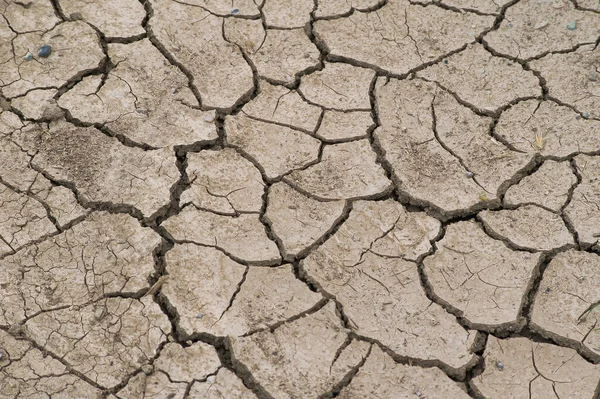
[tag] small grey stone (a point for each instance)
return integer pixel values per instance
(147, 369)
(44, 51)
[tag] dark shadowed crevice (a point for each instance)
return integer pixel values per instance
(347, 379)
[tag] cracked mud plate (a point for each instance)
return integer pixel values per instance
(285, 199)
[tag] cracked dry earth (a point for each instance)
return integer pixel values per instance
(300, 199)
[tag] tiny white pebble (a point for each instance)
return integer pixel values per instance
(211, 379)
(208, 118)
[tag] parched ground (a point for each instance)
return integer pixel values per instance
(300, 199)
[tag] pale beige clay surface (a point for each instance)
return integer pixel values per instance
(280, 199)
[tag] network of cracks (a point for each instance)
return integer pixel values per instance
(300, 199)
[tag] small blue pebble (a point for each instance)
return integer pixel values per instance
(572, 25)
(28, 57)
(44, 51)
(586, 115)
(446, 62)
(548, 290)
(499, 366)
(235, 11)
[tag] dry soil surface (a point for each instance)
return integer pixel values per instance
(291, 199)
